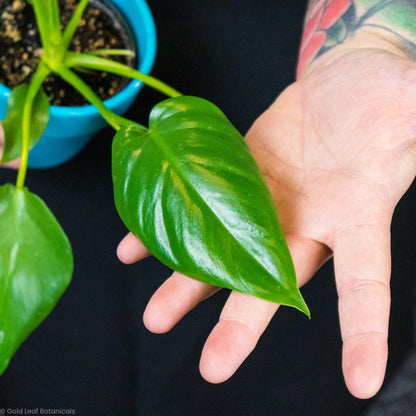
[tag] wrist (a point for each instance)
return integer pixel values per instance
(365, 38)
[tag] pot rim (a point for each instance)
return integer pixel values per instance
(147, 30)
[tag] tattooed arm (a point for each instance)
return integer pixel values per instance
(336, 26)
(356, 92)
(338, 150)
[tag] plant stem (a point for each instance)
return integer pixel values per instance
(112, 118)
(41, 73)
(73, 24)
(42, 21)
(94, 62)
(49, 25)
(54, 22)
(111, 52)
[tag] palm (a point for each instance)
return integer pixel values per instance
(337, 150)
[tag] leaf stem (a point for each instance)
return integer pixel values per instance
(111, 52)
(39, 76)
(94, 62)
(112, 118)
(42, 22)
(54, 22)
(73, 24)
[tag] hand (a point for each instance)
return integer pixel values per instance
(338, 151)
(14, 164)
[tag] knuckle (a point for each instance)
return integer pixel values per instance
(369, 285)
(365, 336)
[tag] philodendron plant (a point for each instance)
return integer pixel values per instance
(186, 186)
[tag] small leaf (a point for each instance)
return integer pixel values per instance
(35, 266)
(13, 122)
(190, 190)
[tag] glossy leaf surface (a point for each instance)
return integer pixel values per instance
(13, 122)
(190, 190)
(35, 266)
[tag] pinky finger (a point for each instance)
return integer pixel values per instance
(362, 270)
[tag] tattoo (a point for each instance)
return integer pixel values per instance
(329, 23)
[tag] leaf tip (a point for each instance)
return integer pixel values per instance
(4, 363)
(300, 304)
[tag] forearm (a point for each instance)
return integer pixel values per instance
(336, 26)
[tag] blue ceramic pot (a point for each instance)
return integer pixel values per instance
(70, 128)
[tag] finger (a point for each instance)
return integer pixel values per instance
(362, 270)
(173, 300)
(131, 250)
(244, 318)
(14, 164)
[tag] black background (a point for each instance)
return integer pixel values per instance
(93, 353)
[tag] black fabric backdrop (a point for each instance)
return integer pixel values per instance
(93, 354)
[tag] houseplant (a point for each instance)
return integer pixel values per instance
(70, 128)
(200, 208)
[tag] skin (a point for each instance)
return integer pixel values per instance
(338, 151)
(14, 164)
(336, 165)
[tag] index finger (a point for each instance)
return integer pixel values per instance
(131, 250)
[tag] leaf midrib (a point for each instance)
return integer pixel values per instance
(171, 160)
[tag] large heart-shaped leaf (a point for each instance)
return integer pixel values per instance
(35, 266)
(190, 190)
(13, 122)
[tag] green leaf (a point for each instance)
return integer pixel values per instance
(13, 122)
(190, 190)
(35, 266)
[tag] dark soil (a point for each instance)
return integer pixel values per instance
(21, 49)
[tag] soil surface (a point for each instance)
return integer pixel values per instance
(21, 49)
